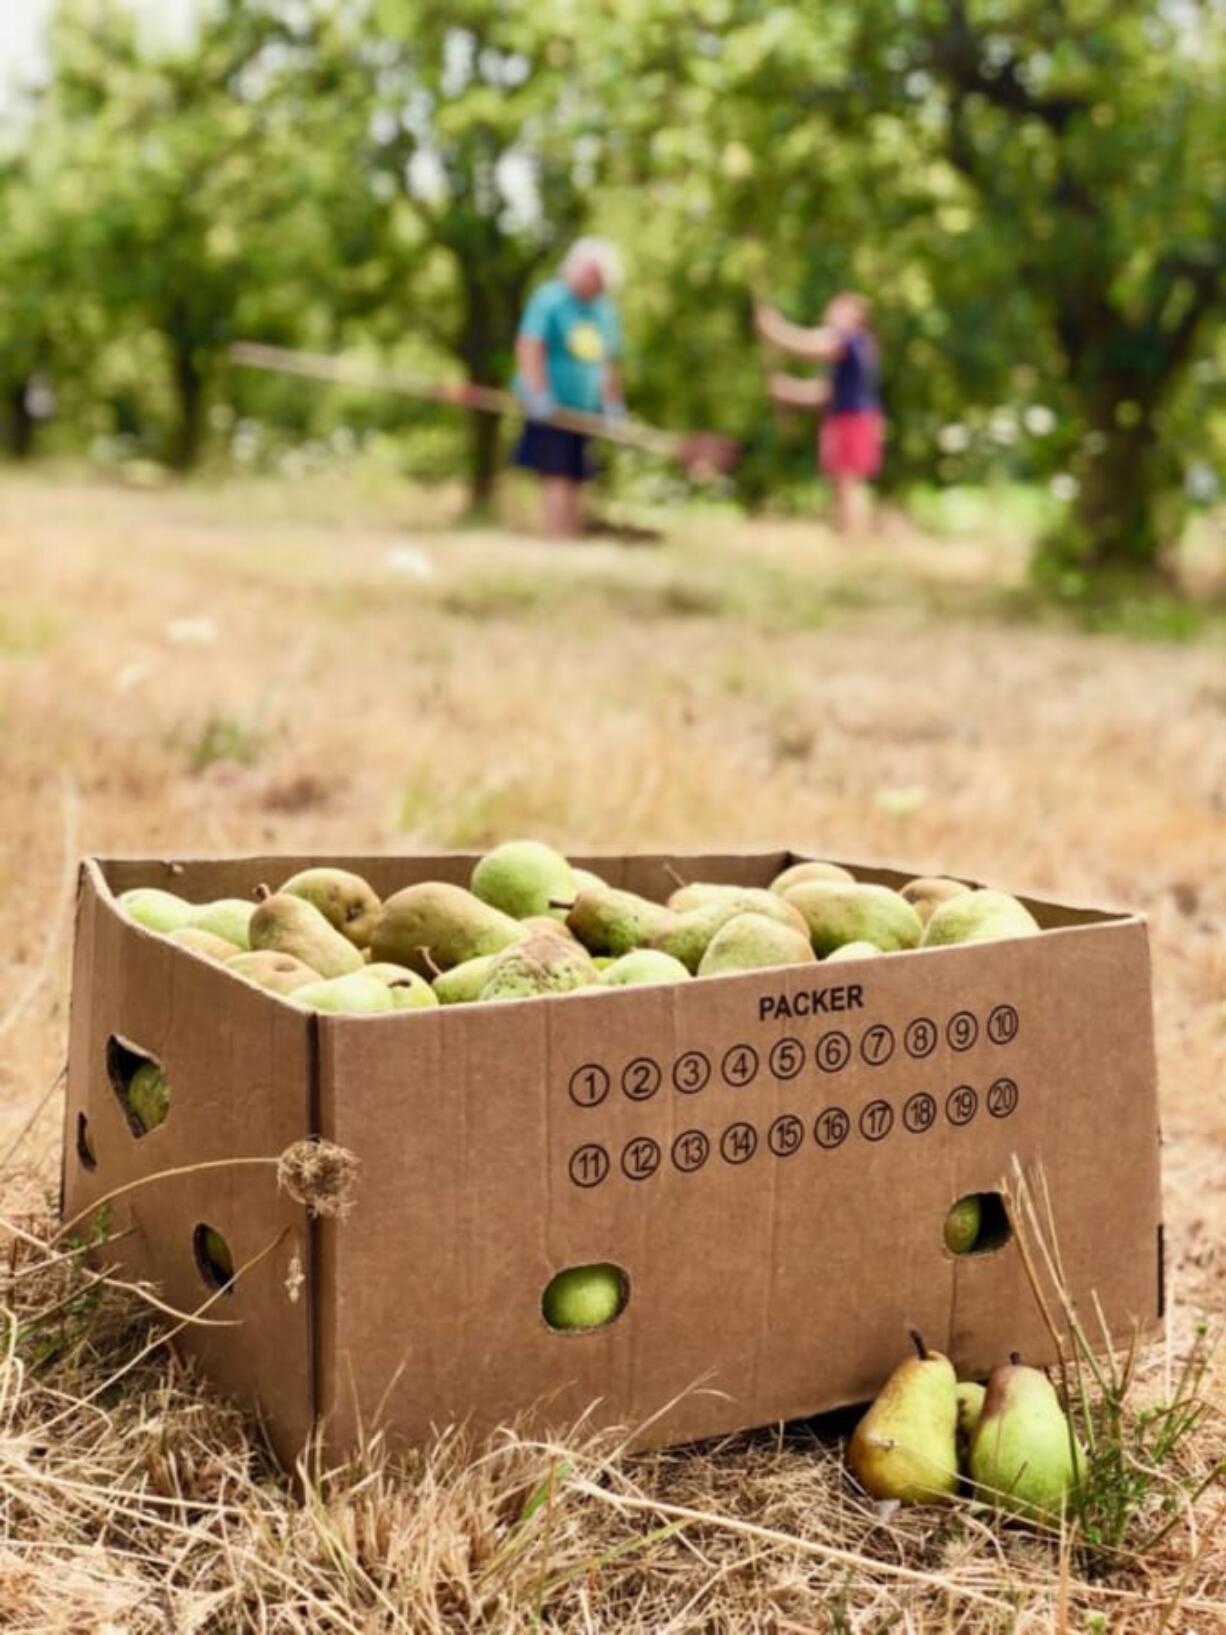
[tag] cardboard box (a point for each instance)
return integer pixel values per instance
(769, 1157)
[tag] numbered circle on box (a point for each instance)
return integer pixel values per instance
(1003, 1098)
(738, 1143)
(833, 1051)
(589, 1164)
(919, 1113)
(640, 1158)
(961, 1104)
(787, 1057)
(961, 1030)
(691, 1072)
(691, 1150)
(920, 1038)
(739, 1066)
(786, 1135)
(876, 1120)
(1003, 1025)
(877, 1045)
(831, 1128)
(641, 1078)
(589, 1085)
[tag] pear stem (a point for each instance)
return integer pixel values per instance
(1015, 1357)
(262, 893)
(429, 960)
(556, 902)
(678, 880)
(917, 1340)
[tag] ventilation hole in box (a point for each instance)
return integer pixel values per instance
(139, 1082)
(85, 1144)
(977, 1224)
(585, 1297)
(213, 1258)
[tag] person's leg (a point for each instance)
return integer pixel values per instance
(852, 505)
(561, 508)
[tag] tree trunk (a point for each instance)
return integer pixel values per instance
(187, 440)
(484, 439)
(19, 423)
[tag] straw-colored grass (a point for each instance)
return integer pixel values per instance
(266, 668)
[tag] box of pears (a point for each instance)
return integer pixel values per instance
(420, 1141)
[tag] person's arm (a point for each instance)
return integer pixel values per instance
(794, 393)
(818, 345)
(532, 357)
(612, 395)
(533, 368)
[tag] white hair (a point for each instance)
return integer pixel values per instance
(596, 252)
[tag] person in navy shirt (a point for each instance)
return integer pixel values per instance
(852, 422)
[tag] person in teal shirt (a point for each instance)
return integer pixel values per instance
(566, 351)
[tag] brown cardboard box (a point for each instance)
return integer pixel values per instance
(768, 1157)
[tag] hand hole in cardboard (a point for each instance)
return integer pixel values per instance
(976, 1224)
(85, 1144)
(139, 1082)
(581, 1298)
(214, 1261)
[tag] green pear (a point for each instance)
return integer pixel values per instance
(837, 913)
(546, 923)
(348, 903)
(608, 921)
(800, 873)
(640, 967)
(156, 910)
(538, 965)
(1024, 1456)
(433, 925)
(228, 917)
(751, 941)
(703, 894)
(979, 916)
(462, 984)
(409, 990)
(905, 1447)
(215, 1252)
(585, 880)
(524, 878)
(278, 973)
(689, 935)
(357, 994)
(148, 1096)
(929, 891)
(855, 950)
(962, 1224)
(203, 942)
(286, 924)
(970, 1406)
(583, 1297)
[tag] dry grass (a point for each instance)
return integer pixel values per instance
(237, 670)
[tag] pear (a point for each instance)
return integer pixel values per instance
(156, 910)
(640, 967)
(348, 903)
(286, 924)
(905, 1447)
(1024, 1456)
(357, 994)
(433, 925)
(608, 921)
(462, 984)
(228, 917)
(524, 878)
(583, 1297)
(929, 891)
(547, 923)
(837, 913)
(800, 873)
(750, 941)
(538, 965)
(215, 1251)
(585, 880)
(689, 935)
(855, 950)
(203, 942)
(409, 991)
(279, 973)
(970, 1406)
(148, 1096)
(702, 893)
(979, 916)
(962, 1224)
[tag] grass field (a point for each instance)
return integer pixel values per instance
(322, 667)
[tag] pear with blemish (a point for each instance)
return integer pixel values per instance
(434, 925)
(837, 913)
(929, 891)
(640, 968)
(979, 916)
(608, 921)
(525, 878)
(963, 1224)
(539, 965)
(285, 924)
(148, 1096)
(753, 941)
(1024, 1456)
(278, 973)
(155, 909)
(462, 984)
(348, 903)
(689, 935)
(228, 917)
(905, 1447)
(204, 943)
(800, 874)
(854, 950)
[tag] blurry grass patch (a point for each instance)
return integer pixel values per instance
(221, 738)
(28, 630)
(476, 816)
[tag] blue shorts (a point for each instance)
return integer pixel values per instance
(552, 451)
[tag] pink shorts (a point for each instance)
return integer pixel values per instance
(851, 443)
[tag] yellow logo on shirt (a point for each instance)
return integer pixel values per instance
(585, 342)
